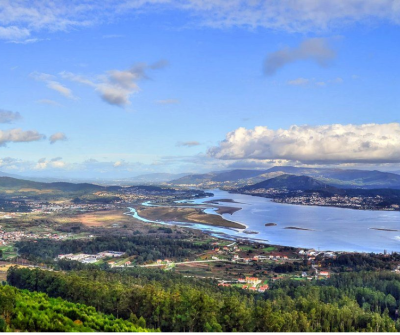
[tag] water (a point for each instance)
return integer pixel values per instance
(331, 228)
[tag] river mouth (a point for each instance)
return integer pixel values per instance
(324, 228)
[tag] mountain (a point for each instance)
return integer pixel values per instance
(13, 183)
(5, 174)
(346, 178)
(194, 179)
(235, 175)
(341, 178)
(291, 183)
(156, 177)
(219, 177)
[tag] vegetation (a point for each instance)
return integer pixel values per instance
(21, 310)
(146, 248)
(346, 302)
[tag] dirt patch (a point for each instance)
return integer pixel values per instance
(99, 218)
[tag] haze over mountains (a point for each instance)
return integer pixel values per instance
(341, 178)
(292, 183)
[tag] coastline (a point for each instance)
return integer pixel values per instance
(272, 199)
(296, 238)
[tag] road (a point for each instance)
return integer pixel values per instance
(189, 262)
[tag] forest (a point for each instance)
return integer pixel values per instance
(21, 310)
(362, 301)
(146, 248)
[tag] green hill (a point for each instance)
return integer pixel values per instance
(13, 183)
(22, 310)
(291, 183)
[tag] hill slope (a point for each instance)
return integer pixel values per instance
(291, 183)
(345, 178)
(13, 183)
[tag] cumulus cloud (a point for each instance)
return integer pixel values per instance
(117, 86)
(375, 143)
(21, 19)
(314, 49)
(55, 163)
(19, 135)
(8, 116)
(53, 84)
(57, 137)
(188, 144)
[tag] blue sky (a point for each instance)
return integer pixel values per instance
(155, 86)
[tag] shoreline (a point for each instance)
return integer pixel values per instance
(313, 205)
(237, 234)
(186, 215)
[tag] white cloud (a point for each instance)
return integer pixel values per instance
(65, 91)
(315, 49)
(53, 84)
(20, 19)
(375, 143)
(57, 137)
(8, 116)
(292, 15)
(44, 164)
(19, 135)
(117, 86)
(13, 33)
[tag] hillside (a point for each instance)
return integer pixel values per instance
(341, 178)
(291, 183)
(345, 178)
(13, 183)
(35, 312)
(194, 179)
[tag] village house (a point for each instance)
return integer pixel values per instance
(253, 280)
(263, 288)
(324, 274)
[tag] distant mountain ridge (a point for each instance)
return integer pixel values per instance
(13, 183)
(292, 183)
(18, 184)
(340, 178)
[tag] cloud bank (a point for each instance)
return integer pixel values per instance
(20, 19)
(367, 143)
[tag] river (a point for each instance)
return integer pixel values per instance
(328, 228)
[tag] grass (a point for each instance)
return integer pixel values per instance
(269, 249)
(246, 248)
(8, 251)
